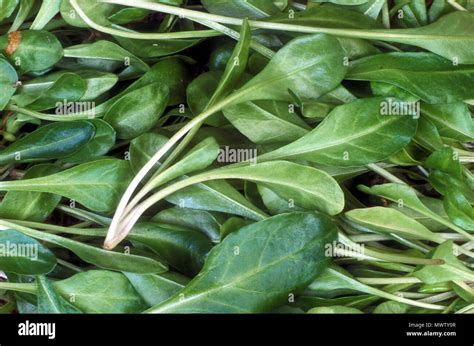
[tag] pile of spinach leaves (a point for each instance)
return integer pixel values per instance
(236, 156)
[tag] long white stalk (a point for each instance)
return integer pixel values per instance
(112, 236)
(382, 35)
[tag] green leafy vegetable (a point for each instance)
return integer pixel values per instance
(236, 156)
(251, 255)
(21, 254)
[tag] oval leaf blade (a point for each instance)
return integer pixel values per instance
(289, 247)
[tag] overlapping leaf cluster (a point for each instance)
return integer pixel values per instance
(236, 156)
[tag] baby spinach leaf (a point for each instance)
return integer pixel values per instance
(439, 8)
(235, 67)
(97, 185)
(68, 86)
(308, 66)
(23, 12)
(182, 248)
(275, 203)
(143, 147)
(335, 143)
(427, 135)
(406, 196)
(128, 15)
(266, 121)
(336, 278)
(199, 92)
(138, 111)
(198, 158)
(21, 254)
(216, 196)
(100, 144)
(156, 288)
(391, 307)
(329, 17)
(433, 204)
(463, 290)
(173, 73)
(445, 160)
(390, 90)
(50, 302)
(356, 48)
(452, 269)
(147, 49)
(316, 110)
(292, 181)
(459, 209)
(48, 142)
(449, 36)
(199, 220)
(94, 255)
(96, 83)
(105, 50)
(8, 78)
(239, 269)
(452, 120)
(36, 206)
(31, 50)
(101, 291)
(371, 8)
(414, 13)
(220, 56)
(447, 177)
(389, 220)
(425, 75)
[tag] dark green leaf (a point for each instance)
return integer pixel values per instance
(425, 75)
(266, 122)
(36, 206)
(105, 50)
(32, 50)
(101, 291)
(8, 78)
(100, 144)
(21, 254)
(50, 302)
(182, 248)
(335, 143)
(199, 220)
(48, 142)
(237, 276)
(138, 111)
(308, 66)
(156, 288)
(97, 185)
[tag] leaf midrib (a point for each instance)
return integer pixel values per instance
(345, 140)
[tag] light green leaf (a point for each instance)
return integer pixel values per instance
(97, 185)
(50, 302)
(336, 143)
